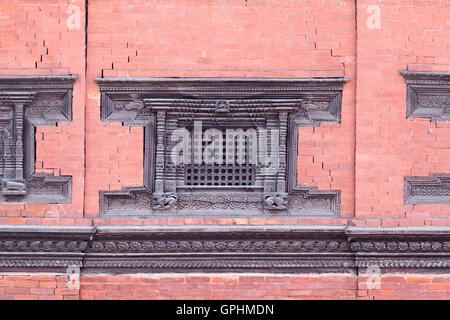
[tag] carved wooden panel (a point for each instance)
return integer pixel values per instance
(225, 249)
(25, 103)
(254, 111)
(428, 96)
(434, 189)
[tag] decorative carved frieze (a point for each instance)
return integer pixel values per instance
(224, 248)
(259, 106)
(427, 95)
(434, 189)
(400, 248)
(42, 247)
(25, 103)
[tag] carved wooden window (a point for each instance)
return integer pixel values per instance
(25, 103)
(246, 127)
(427, 96)
(235, 170)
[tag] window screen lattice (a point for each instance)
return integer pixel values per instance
(237, 173)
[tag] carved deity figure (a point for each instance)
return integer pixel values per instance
(222, 106)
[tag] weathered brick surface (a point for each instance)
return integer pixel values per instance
(220, 39)
(36, 287)
(245, 39)
(220, 286)
(413, 35)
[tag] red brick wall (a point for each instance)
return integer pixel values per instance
(366, 156)
(35, 40)
(220, 286)
(220, 39)
(36, 287)
(414, 35)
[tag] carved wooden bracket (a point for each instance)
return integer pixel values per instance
(224, 249)
(162, 106)
(428, 96)
(25, 103)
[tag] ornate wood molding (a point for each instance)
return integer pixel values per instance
(42, 248)
(434, 189)
(160, 105)
(25, 103)
(427, 95)
(224, 249)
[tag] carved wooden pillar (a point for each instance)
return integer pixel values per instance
(270, 172)
(18, 112)
(160, 151)
(292, 155)
(149, 153)
(170, 170)
(281, 178)
(7, 150)
(259, 174)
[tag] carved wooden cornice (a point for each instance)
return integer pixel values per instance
(224, 249)
(25, 103)
(160, 105)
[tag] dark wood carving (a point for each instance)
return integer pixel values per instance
(42, 248)
(434, 189)
(25, 103)
(163, 105)
(427, 96)
(224, 249)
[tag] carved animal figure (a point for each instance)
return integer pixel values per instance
(10, 187)
(164, 201)
(275, 201)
